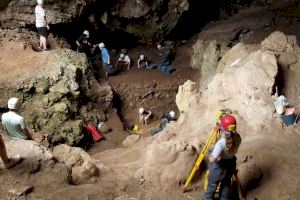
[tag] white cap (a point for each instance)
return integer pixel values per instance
(158, 46)
(40, 2)
(122, 55)
(86, 32)
(172, 114)
(101, 45)
(142, 57)
(141, 110)
(12, 103)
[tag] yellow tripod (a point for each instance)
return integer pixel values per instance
(213, 137)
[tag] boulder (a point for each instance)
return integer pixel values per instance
(71, 156)
(86, 173)
(276, 42)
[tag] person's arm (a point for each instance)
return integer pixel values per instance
(117, 62)
(139, 60)
(146, 63)
(215, 155)
(27, 133)
(149, 114)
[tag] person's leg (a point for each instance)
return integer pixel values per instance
(44, 42)
(213, 180)
(229, 166)
(8, 162)
(3, 153)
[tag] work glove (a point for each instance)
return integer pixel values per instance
(48, 27)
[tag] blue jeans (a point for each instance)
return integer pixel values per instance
(220, 172)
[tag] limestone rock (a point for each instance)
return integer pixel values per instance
(21, 189)
(186, 96)
(60, 107)
(249, 175)
(276, 42)
(233, 57)
(84, 174)
(71, 156)
(286, 59)
(130, 140)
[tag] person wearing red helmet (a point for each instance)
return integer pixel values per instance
(222, 160)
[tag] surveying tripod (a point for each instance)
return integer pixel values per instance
(214, 136)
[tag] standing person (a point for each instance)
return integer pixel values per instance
(123, 59)
(41, 24)
(222, 161)
(83, 43)
(165, 54)
(105, 58)
(13, 123)
(142, 62)
(144, 115)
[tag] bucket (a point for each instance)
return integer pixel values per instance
(288, 119)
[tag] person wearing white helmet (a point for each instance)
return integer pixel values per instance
(83, 43)
(142, 62)
(13, 123)
(166, 118)
(165, 53)
(123, 59)
(144, 115)
(105, 59)
(41, 24)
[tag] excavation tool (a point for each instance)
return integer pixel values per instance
(295, 122)
(212, 138)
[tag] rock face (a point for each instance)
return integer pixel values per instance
(145, 19)
(14, 13)
(50, 88)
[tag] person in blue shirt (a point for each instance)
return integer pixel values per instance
(105, 58)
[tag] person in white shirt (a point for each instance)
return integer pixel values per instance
(41, 24)
(13, 123)
(123, 59)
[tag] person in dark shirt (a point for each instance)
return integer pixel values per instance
(83, 43)
(166, 118)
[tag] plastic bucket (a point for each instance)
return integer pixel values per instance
(288, 119)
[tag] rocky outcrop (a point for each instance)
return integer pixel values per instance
(50, 86)
(79, 162)
(148, 20)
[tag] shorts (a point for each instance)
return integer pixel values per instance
(42, 31)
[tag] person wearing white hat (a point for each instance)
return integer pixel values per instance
(123, 59)
(166, 118)
(144, 115)
(41, 24)
(83, 43)
(142, 62)
(105, 59)
(13, 123)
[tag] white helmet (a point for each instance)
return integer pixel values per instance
(40, 2)
(86, 32)
(101, 45)
(12, 103)
(122, 55)
(172, 114)
(141, 111)
(158, 46)
(142, 57)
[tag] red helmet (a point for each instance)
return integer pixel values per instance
(228, 123)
